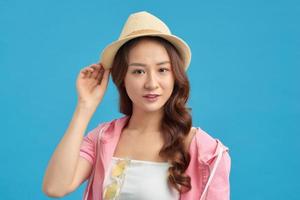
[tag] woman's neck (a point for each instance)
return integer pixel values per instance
(145, 122)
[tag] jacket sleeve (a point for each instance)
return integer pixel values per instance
(87, 148)
(209, 148)
(219, 188)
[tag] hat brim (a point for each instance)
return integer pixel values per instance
(109, 52)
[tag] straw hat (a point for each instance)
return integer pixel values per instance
(144, 24)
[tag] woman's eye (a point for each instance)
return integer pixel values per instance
(137, 71)
(164, 69)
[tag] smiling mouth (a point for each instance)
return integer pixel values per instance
(151, 95)
(151, 98)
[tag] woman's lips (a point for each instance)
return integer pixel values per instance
(151, 98)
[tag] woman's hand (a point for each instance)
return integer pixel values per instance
(91, 85)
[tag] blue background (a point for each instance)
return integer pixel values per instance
(244, 79)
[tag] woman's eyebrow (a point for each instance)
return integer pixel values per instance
(144, 65)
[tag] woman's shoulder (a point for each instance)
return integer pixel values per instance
(207, 146)
(109, 127)
(103, 126)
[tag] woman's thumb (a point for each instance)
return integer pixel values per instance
(106, 74)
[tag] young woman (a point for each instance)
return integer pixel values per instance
(152, 152)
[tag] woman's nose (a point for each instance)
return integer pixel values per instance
(151, 82)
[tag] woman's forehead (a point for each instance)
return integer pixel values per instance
(138, 64)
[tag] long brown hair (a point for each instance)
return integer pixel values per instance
(177, 121)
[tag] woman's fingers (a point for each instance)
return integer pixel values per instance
(100, 75)
(91, 71)
(86, 72)
(105, 75)
(97, 70)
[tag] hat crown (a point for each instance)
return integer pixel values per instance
(143, 21)
(144, 24)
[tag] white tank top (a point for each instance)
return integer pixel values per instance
(140, 180)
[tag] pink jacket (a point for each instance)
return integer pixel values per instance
(209, 166)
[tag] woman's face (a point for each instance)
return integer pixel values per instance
(149, 72)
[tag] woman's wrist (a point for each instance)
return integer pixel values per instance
(85, 108)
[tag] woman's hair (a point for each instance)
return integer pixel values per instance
(176, 122)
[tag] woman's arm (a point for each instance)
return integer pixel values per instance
(65, 163)
(66, 170)
(219, 189)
